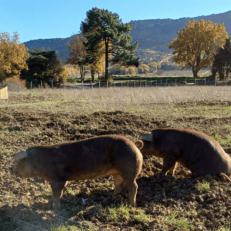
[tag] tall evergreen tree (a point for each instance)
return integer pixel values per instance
(222, 61)
(105, 33)
(42, 65)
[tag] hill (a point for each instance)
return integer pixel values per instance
(153, 34)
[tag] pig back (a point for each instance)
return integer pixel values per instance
(83, 159)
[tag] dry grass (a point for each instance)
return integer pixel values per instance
(127, 99)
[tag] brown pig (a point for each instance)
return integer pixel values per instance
(85, 159)
(197, 151)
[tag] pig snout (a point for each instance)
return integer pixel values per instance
(13, 170)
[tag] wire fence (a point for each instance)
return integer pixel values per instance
(163, 82)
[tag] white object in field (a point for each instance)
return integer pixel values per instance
(3, 92)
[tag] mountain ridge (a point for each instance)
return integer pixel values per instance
(154, 34)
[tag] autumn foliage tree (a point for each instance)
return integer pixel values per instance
(77, 52)
(197, 43)
(106, 33)
(13, 56)
(143, 68)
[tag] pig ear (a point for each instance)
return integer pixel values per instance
(146, 136)
(139, 144)
(20, 155)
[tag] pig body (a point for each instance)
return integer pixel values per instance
(197, 151)
(86, 159)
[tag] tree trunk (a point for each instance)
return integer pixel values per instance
(195, 72)
(92, 74)
(82, 72)
(221, 75)
(106, 59)
(227, 73)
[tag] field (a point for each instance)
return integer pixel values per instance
(45, 116)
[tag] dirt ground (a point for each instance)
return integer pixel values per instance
(180, 203)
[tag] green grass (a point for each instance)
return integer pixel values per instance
(70, 191)
(223, 142)
(189, 79)
(41, 103)
(47, 192)
(181, 223)
(22, 133)
(203, 186)
(125, 213)
(135, 110)
(5, 150)
(227, 228)
(34, 94)
(66, 227)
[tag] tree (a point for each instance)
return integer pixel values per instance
(117, 70)
(143, 68)
(106, 33)
(131, 70)
(43, 66)
(197, 43)
(222, 61)
(155, 65)
(77, 52)
(13, 56)
(98, 65)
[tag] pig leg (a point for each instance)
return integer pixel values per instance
(132, 191)
(119, 184)
(57, 189)
(171, 171)
(169, 163)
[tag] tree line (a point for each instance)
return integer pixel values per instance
(105, 42)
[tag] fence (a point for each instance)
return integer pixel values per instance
(129, 83)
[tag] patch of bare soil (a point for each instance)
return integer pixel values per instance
(168, 203)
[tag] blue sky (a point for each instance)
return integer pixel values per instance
(42, 19)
